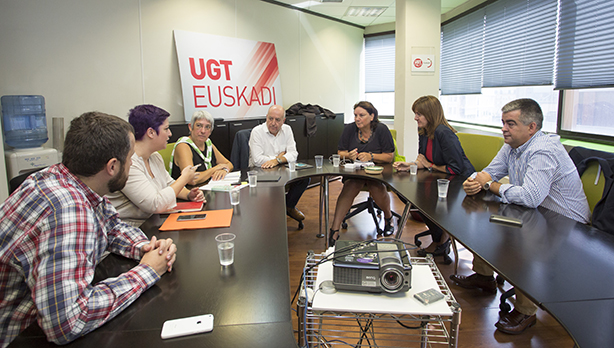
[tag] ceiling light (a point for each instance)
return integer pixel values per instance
(354, 11)
(331, 0)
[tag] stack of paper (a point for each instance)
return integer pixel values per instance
(225, 184)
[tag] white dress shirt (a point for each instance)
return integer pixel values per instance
(143, 195)
(264, 146)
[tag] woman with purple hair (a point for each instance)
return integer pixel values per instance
(150, 189)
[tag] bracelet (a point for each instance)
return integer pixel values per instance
(225, 169)
(371, 153)
(431, 167)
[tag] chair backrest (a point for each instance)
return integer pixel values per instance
(239, 156)
(593, 190)
(19, 179)
(166, 154)
(480, 149)
(397, 157)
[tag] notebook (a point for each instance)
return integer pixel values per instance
(185, 207)
(214, 219)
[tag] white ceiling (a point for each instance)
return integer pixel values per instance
(338, 10)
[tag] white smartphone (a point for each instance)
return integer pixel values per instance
(187, 326)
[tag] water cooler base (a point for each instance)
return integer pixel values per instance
(19, 161)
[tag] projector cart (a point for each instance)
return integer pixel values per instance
(414, 327)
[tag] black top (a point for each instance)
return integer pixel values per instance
(380, 141)
(196, 159)
(447, 151)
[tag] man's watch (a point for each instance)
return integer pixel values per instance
(487, 185)
(278, 160)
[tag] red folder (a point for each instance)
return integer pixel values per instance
(214, 219)
(184, 207)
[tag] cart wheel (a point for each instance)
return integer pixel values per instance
(344, 225)
(301, 225)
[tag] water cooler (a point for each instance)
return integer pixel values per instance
(25, 129)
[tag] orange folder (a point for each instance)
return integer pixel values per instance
(214, 219)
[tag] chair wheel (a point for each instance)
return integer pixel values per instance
(447, 260)
(301, 225)
(418, 242)
(499, 280)
(344, 225)
(505, 307)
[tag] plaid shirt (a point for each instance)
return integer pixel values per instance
(53, 232)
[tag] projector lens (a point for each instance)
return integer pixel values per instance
(392, 280)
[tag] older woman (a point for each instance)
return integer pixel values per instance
(150, 189)
(198, 149)
(438, 150)
(364, 140)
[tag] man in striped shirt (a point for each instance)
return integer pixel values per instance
(541, 173)
(56, 227)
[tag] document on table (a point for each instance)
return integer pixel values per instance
(225, 184)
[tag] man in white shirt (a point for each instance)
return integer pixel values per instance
(272, 144)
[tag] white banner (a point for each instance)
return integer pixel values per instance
(228, 77)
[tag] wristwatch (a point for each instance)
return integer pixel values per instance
(278, 160)
(487, 185)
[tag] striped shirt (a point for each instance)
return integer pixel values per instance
(53, 232)
(541, 174)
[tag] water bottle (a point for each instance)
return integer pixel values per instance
(24, 121)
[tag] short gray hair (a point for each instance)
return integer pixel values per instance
(530, 111)
(199, 115)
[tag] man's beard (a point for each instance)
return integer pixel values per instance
(119, 181)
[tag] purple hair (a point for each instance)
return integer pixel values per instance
(146, 116)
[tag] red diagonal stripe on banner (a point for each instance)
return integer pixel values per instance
(261, 71)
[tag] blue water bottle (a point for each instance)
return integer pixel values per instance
(24, 121)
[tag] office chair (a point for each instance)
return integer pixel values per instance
(166, 154)
(15, 182)
(239, 156)
(369, 204)
(480, 150)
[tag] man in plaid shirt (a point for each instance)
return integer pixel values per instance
(55, 229)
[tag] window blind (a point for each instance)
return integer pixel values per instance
(519, 42)
(379, 63)
(585, 46)
(461, 55)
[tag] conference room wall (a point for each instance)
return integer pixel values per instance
(110, 55)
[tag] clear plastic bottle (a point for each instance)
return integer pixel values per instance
(24, 120)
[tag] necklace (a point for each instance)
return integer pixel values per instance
(364, 141)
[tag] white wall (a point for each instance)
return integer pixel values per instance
(111, 55)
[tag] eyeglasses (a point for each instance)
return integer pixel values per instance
(200, 126)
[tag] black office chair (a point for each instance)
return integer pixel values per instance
(374, 211)
(239, 157)
(15, 182)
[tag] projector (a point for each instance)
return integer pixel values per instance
(375, 266)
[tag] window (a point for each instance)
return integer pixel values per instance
(536, 49)
(485, 108)
(589, 111)
(379, 73)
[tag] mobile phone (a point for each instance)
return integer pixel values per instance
(429, 296)
(191, 217)
(506, 220)
(187, 326)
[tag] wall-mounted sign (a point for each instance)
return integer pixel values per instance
(230, 78)
(423, 62)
